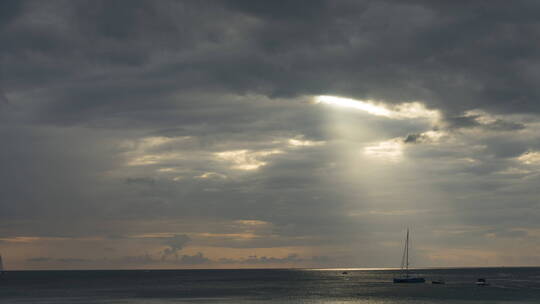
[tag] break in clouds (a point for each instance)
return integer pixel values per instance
(268, 133)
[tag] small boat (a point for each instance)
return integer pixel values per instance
(481, 282)
(406, 277)
(438, 282)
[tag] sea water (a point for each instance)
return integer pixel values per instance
(507, 285)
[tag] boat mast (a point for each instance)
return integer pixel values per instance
(407, 255)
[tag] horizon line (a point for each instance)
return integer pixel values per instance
(274, 268)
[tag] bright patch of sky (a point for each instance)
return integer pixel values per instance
(246, 159)
(390, 150)
(406, 110)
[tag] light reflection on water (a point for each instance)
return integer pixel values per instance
(508, 285)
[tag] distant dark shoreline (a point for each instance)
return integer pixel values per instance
(283, 269)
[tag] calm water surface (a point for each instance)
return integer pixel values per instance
(508, 285)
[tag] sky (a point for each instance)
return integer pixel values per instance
(235, 134)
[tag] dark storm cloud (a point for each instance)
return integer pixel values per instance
(9, 9)
(455, 56)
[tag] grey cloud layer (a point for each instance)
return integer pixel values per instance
(99, 58)
(113, 115)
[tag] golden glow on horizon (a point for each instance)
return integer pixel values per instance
(28, 239)
(237, 236)
(152, 235)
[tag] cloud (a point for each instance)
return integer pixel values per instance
(140, 181)
(39, 259)
(178, 119)
(195, 259)
(185, 260)
(281, 52)
(10, 10)
(291, 258)
(4, 102)
(58, 260)
(412, 138)
(501, 125)
(462, 121)
(71, 260)
(478, 121)
(175, 244)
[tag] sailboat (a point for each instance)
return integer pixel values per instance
(405, 276)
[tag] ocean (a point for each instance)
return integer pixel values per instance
(507, 285)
